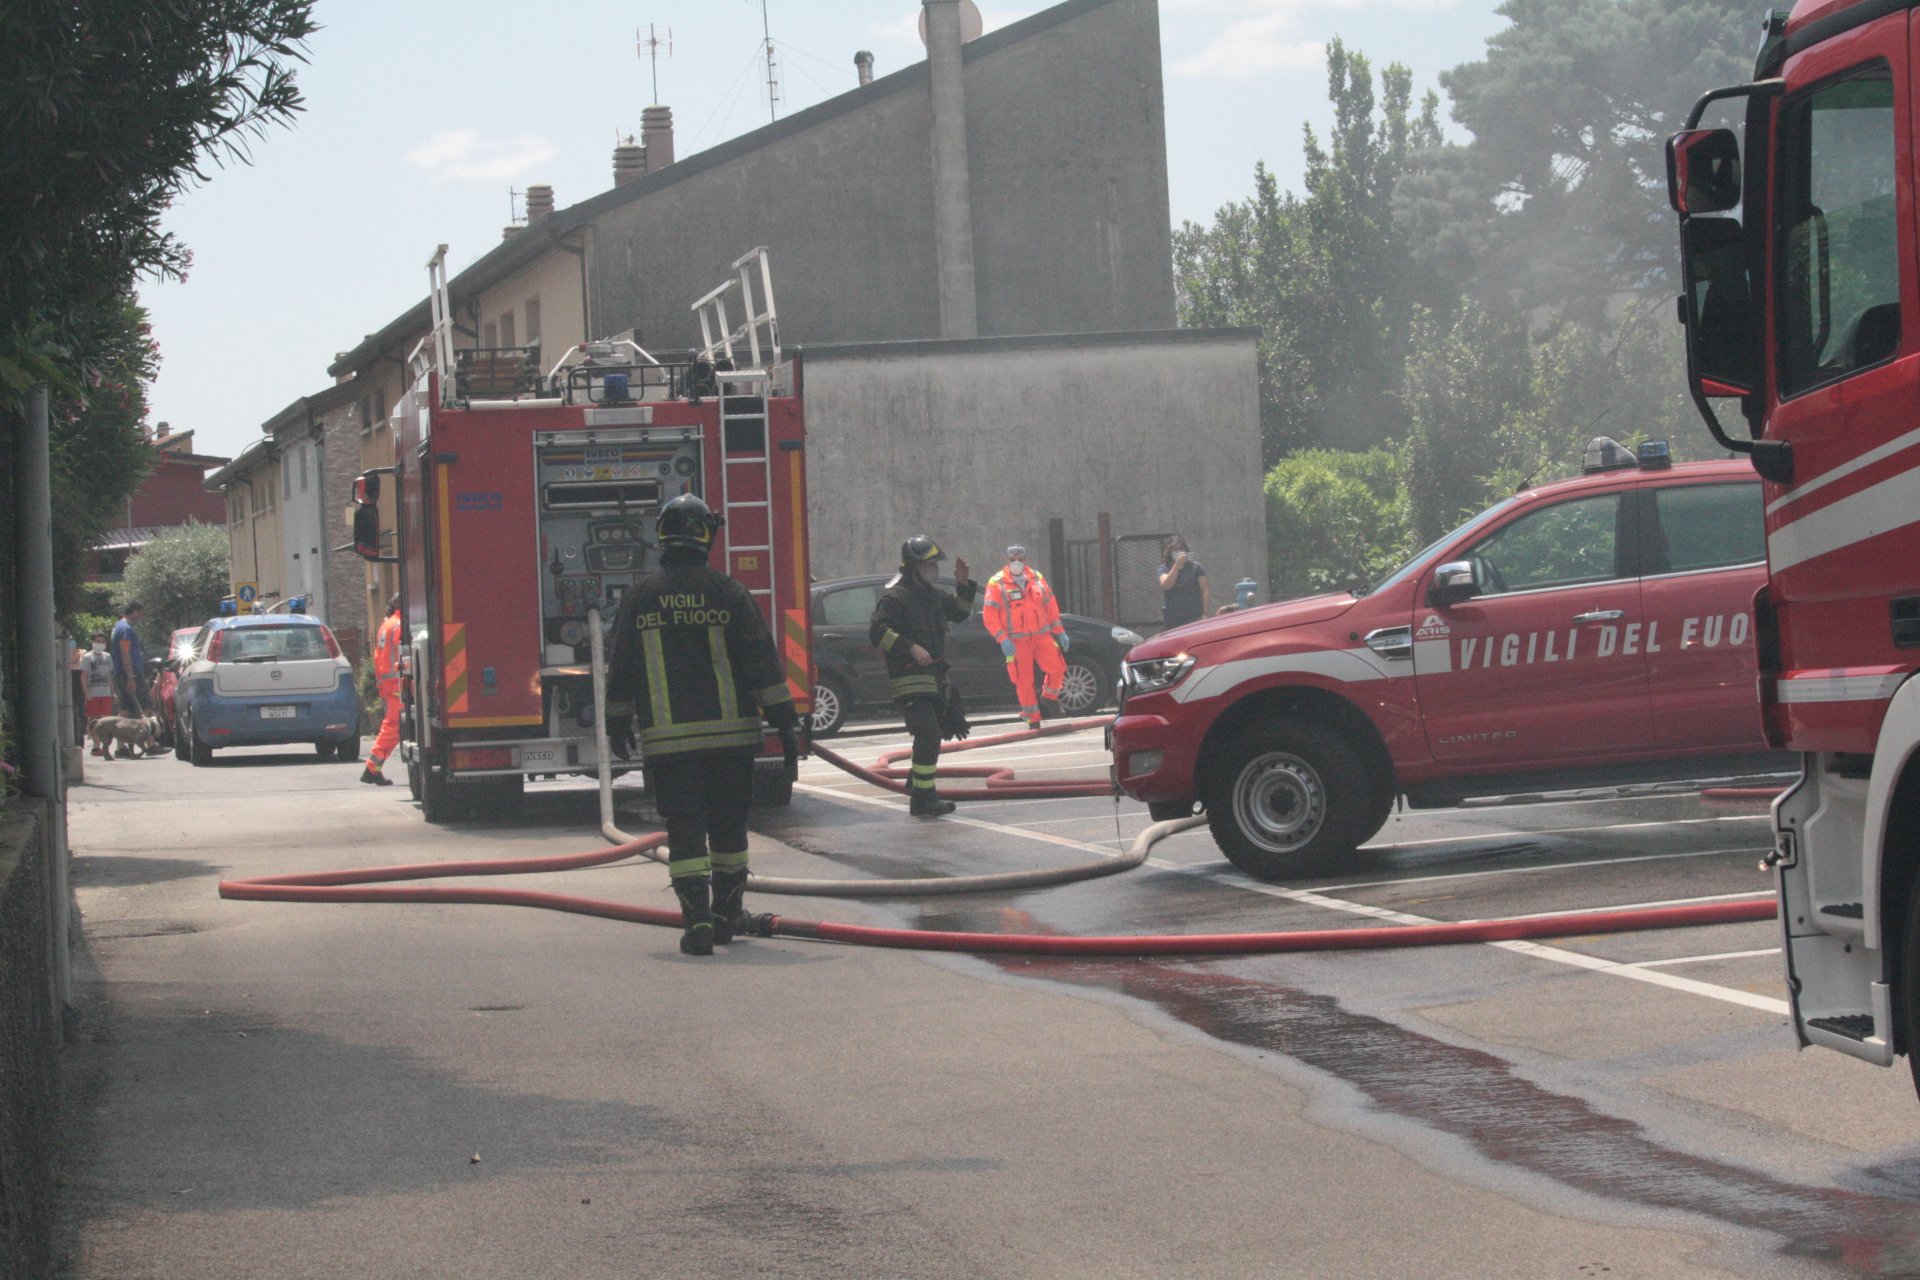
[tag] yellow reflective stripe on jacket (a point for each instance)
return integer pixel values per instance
(889, 638)
(722, 668)
(699, 728)
(659, 703)
(773, 695)
(909, 686)
(714, 738)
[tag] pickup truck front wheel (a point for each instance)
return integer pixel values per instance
(1285, 799)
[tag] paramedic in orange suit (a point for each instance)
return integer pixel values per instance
(386, 670)
(1022, 615)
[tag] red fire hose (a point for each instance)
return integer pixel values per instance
(367, 884)
(1000, 784)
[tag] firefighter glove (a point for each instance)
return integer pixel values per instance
(790, 748)
(620, 736)
(1006, 648)
(1062, 641)
(782, 716)
(953, 717)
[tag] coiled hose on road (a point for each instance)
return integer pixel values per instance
(374, 884)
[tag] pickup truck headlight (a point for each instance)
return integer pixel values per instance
(1122, 635)
(1153, 674)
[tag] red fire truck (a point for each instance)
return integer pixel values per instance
(526, 504)
(1799, 253)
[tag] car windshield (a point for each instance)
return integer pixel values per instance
(1420, 557)
(273, 644)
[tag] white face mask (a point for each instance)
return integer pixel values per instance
(99, 646)
(1017, 568)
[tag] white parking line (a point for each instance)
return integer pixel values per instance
(1724, 955)
(1565, 831)
(1545, 866)
(1556, 955)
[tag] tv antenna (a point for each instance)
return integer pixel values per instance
(651, 46)
(773, 67)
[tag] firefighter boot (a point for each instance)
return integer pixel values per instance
(927, 804)
(1050, 708)
(729, 915)
(696, 912)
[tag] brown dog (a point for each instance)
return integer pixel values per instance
(129, 731)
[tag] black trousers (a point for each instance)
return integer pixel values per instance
(704, 796)
(923, 715)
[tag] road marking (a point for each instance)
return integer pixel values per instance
(1556, 955)
(1545, 866)
(1724, 955)
(1564, 831)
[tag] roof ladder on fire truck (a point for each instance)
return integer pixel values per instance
(746, 437)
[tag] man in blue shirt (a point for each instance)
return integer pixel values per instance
(129, 659)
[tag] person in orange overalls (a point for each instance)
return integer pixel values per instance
(1023, 616)
(386, 670)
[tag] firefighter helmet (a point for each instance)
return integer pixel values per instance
(686, 522)
(919, 550)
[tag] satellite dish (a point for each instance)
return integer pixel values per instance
(970, 24)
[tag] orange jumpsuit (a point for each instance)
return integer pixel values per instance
(1022, 610)
(386, 671)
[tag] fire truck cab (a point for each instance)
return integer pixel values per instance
(1800, 264)
(526, 504)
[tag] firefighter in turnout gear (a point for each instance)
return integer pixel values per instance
(386, 673)
(910, 628)
(1024, 618)
(694, 668)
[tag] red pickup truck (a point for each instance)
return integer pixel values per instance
(1595, 631)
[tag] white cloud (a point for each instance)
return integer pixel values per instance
(1262, 35)
(463, 154)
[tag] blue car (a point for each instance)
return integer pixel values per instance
(266, 679)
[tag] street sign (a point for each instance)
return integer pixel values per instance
(244, 594)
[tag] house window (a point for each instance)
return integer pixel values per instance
(489, 335)
(506, 329)
(533, 321)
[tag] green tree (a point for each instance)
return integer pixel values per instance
(1464, 381)
(1335, 519)
(1559, 199)
(1323, 275)
(180, 577)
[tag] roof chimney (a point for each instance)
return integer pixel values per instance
(864, 61)
(629, 162)
(539, 203)
(656, 134)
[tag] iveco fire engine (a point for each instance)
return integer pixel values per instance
(1595, 631)
(526, 505)
(1799, 254)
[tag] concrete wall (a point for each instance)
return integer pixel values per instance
(982, 442)
(1066, 145)
(549, 294)
(346, 573)
(30, 1125)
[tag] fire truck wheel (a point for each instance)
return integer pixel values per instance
(830, 707)
(1907, 994)
(439, 801)
(1284, 798)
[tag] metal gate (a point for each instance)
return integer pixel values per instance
(1080, 585)
(1137, 561)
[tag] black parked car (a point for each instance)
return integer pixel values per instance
(849, 676)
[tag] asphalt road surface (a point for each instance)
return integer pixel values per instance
(382, 1091)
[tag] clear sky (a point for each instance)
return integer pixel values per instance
(424, 117)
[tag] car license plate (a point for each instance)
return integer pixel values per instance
(278, 713)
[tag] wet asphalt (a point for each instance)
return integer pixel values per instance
(270, 1089)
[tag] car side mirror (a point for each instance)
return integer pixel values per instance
(1452, 582)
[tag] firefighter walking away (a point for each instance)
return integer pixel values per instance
(386, 672)
(1024, 619)
(693, 669)
(910, 628)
